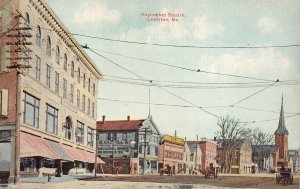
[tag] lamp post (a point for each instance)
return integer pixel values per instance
(131, 155)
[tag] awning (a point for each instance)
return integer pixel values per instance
(33, 146)
(91, 158)
(59, 150)
(74, 153)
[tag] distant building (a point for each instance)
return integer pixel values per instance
(208, 152)
(281, 139)
(294, 155)
(49, 92)
(129, 146)
(266, 157)
(171, 152)
(235, 156)
(193, 159)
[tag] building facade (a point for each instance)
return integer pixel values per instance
(52, 126)
(129, 146)
(265, 156)
(235, 156)
(171, 152)
(294, 156)
(193, 157)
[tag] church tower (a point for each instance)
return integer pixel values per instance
(281, 138)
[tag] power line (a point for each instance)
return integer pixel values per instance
(187, 46)
(254, 94)
(184, 68)
(151, 82)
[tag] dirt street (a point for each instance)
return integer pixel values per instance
(167, 182)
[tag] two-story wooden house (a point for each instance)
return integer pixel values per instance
(128, 146)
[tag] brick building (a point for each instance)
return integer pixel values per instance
(171, 152)
(208, 151)
(48, 118)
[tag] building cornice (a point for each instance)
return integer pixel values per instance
(58, 27)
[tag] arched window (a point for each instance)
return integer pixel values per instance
(68, 128)
(48, 48)
(72, 69)
(89, 85)
(65, 62)
(78, 75)
(83, 80)
(27, 22)
(38, 36)
(57, 57)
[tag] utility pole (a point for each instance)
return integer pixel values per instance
(96, 153)
(19, 52)
(144, 132)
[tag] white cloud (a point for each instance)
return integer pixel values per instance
(93, 11)
(202, 29)
(266, 63)
(266, 24)
(157, 33)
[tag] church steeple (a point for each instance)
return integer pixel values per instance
(281, 130)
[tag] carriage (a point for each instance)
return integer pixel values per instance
(285, 176)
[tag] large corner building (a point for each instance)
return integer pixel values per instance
(48, 90)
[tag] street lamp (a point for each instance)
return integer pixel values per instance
(131, 155)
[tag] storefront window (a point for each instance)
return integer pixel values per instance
(28, 164)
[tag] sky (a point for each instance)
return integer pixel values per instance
(128, 68)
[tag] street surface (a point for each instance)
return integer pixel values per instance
(264, 181)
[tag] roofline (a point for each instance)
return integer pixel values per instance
(64, 33)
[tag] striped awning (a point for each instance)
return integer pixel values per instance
(59, 150)
(91, 158)
(34, 146)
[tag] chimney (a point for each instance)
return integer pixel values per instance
(103, 118)
(128, 118)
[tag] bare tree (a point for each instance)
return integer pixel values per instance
(230, 135)
(261, 138)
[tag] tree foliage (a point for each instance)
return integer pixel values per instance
(261, 138)
(230, 135)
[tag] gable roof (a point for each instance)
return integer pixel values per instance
(232, 143)
(281, 130)
(119, 125)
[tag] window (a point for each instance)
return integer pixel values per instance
(37, 68)
(148, 150)
(51, 119)
(89, 85)
(48, 75)
(89, 107)
(72, 69)
(140, 149)
(124, 136)
(65, 89)
(108, 136)
(94, 89)
(83, 103)
(78, 98)
(48, 47)
(31, 110)
(57, 82)
(83, 80)
(80, 132)
(93, 110)
(156, 150)
(57, 55)
(71, 93)
(27, 22)
(38, 36)
(90, 137)
(78, 75)
(68, 128)
(65, 62)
